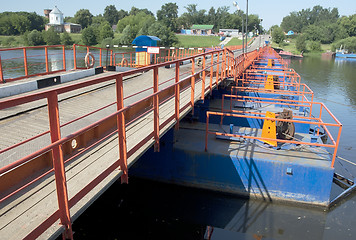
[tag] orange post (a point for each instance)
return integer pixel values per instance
(217, 72)
(100, 57)
(58, 165)
(121, 130)
(1, 73)
(211, 72)
(64, 58)
(203, 80)
(46, 57)
(192, 84)
(177, 96)
(25, 61)
(75, 56)
(156, 109)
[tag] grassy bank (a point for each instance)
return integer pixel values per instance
(197, 41)
(289, 46)
(184, 41)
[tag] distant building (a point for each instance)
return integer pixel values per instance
(229, 32)
(202, 29)
(56, 21)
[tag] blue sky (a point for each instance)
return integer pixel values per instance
(271, 11)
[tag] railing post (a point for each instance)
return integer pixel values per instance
(156, 109)
(121, 130)
(1, 72)
(177, 96)
(206, 131)
(75, 56)
(192, 85)
(336, 147)
(211, 73)
(58, 165)
(223, 67)
(25, 61)
(100, 57)
(203, 81)
(217, 70)
(46, 57)
(64, 58)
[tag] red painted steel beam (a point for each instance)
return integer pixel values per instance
(156, 109)
(58, 164)
(121, 129)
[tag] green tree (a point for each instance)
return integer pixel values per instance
(83, 17)
(301, 44)
(347, 43)
(136, 22)
(66, 39)
(111, 14)
(348, 24)
(51, 37)
(314, 46)
(168, 15)
(106, 31)
(90, 36)
(122, 14)
(34, 38)
(128, 35)
(168, 38)
(16, 23)
(278, 35)
(135, 11)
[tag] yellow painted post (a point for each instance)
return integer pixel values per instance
(269, 129)
(269, 83)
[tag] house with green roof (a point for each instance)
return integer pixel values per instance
(202, 29)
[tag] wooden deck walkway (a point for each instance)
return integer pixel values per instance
(21, 214)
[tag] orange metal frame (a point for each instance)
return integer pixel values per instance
(26, 65)
(319, 122)
(123, 116)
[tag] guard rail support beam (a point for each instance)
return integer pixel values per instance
(156, 109)
(177, 95)
(121, 130)
(58, 165)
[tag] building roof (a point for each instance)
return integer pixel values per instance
(202, 27)
(144, 40)
(55, 10)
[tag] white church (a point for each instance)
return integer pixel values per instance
(56, 21)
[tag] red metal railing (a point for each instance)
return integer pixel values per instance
(58, 151)
(102, 56)
(37, 61)
(305, 120)
(26, 62)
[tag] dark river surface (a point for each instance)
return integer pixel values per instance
(150, 210)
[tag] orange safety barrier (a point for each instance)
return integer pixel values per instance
(100, 54)
(63, 150)
(313, 121)
(45, 61)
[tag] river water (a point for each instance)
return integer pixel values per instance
(151, 210)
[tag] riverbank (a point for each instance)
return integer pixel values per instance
(290, 46)
(185, 41)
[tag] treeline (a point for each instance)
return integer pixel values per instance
(316, 26)
(129, 24)
(17, 23)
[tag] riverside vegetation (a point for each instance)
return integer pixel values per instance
(316, 30)
(121, 27)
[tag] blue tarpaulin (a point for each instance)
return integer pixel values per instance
(290, 33)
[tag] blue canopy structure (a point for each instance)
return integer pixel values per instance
(290, 33)
(143, 40)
